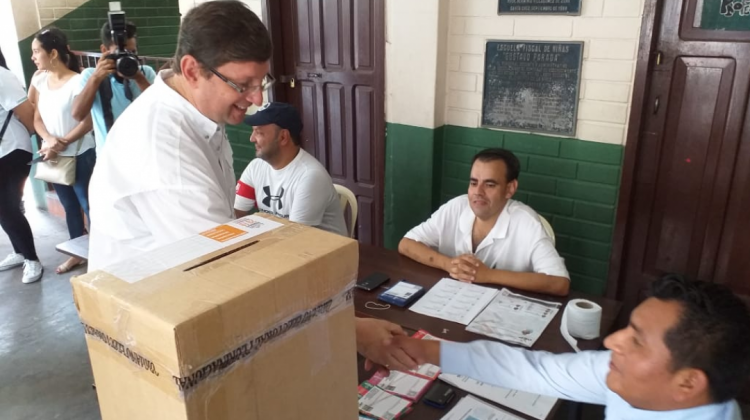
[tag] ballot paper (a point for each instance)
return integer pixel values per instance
(534, 405)
(402, 384)
(454, 301)
(470, 408)
(374, 402)
(148, 264)
(514, 318)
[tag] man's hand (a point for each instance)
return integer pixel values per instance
(375, 342)
(463, 268)
(423, 351)
(104, 68)
(140, 78)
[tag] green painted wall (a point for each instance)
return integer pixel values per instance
(572, 183)
(411, 178)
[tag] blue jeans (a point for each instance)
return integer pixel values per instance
(75, 198)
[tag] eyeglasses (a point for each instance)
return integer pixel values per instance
(268, 81)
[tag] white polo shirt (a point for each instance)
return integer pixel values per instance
(165, 173)
(12, 95)
(517, 242)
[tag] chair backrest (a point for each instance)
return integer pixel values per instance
(347, 198)
(548, 228)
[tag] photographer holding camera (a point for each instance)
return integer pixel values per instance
(126, 78)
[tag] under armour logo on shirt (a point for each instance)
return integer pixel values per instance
(275, 199)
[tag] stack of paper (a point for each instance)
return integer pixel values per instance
(470, 408)
(454, 301)
(534, 405)
(402, 384)
(378, 404)
(514, 318)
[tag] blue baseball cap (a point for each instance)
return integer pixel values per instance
(282, 114)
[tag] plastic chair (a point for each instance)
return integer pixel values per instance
(547, 228)
(347, 198)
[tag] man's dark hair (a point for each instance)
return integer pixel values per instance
(712, 334)
(106, 34)
(295, 138)
(512, 165)
(222, 31)
(3, 64)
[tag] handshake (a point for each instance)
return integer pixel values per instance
(386, 345)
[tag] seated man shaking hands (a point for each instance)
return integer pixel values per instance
(684, 356)
(486, 237)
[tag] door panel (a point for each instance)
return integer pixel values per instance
(334, 50)
(699, 99)
(690, 194)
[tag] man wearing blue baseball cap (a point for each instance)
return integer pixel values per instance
(283, 179)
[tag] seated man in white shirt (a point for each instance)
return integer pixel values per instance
(684, 355)
(283, 179)
(486, 237)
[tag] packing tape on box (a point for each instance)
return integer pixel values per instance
(581, 319)
(244, 351)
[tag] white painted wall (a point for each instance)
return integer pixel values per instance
(413, 47)
(19, 19)
(609, 29)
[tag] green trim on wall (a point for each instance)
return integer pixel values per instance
(243, 150)
(409, 178)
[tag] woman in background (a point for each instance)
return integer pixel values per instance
(16, 122)
(52, 90)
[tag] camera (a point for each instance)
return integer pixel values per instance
(126, 62)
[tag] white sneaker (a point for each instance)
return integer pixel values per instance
(32, 271)
(11, 261)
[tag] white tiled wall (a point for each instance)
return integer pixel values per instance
(51, 10)
(609, 29)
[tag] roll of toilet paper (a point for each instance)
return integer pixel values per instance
(581, 319)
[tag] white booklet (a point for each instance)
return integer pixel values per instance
(534, 405)
(470, 408)
(515, 318)
(454, 301)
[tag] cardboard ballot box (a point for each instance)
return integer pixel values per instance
(251, 320)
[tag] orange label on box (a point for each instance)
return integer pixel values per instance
(223, 233)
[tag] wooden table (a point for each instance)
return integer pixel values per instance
(375, 259)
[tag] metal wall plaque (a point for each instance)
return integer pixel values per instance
(532, 86)
(541, 7)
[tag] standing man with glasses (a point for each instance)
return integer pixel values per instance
(167, 171)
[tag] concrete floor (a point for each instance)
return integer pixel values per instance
(44, 365)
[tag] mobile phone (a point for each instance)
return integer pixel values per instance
(36, 160)
(439, 395)
(373, 281)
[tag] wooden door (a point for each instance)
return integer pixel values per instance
(329, 58)
(685, 205)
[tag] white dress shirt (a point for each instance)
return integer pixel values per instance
(572, 376)
(165, 173)
(517, 242)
